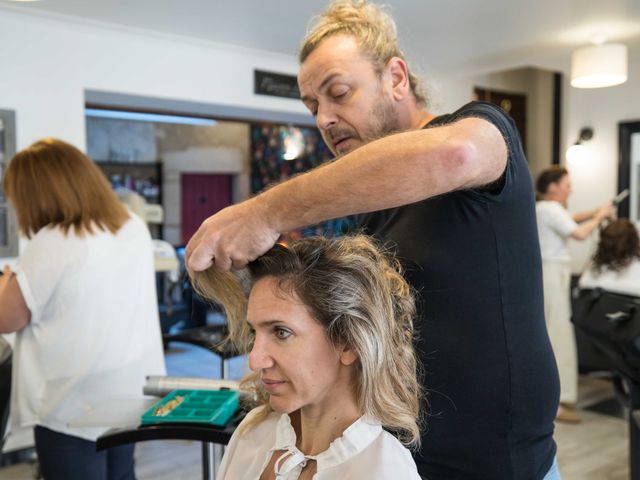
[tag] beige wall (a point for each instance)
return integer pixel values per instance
(537, 85)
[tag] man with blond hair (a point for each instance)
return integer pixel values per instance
(453, 196)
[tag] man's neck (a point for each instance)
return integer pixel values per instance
(418, 118)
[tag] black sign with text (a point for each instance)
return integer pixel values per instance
(275, 84)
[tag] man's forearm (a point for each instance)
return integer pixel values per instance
(389, 172)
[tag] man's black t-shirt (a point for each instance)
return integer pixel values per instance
(473, 257)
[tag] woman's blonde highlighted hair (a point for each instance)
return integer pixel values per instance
(52, 183)
(357, 293)
(371, 26)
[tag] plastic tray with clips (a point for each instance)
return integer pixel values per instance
(213, 407)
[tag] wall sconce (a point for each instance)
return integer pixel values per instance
(577, 151)
(599, 65)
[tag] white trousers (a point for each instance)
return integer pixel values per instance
(556, 277)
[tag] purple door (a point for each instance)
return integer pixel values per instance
(202, 194)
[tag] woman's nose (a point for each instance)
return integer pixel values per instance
(259, 357)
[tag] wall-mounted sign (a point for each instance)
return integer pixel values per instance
(275, 84)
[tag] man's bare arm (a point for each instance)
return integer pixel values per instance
(396, 170)
(392, 171)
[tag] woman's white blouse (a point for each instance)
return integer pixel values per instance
(625, 281)
(364, 450)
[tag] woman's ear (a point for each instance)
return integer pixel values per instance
(348, 356)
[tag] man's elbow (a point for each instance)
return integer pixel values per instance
(474, 167)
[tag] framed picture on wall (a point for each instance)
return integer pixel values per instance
(8, 226)
(629, 169)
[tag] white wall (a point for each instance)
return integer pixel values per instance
(47, 64)
(595, 179)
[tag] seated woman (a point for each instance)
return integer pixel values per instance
(616, 263)
(329, 331)
(83, 303)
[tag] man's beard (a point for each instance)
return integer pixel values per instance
(385, 120)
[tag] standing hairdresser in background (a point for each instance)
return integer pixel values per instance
(555, 226)
(453, 195)
(82, 301)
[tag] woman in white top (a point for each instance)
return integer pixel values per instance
(555, 226)
(82, 301)
(616, 263)
(329, 327)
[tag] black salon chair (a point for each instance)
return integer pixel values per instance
(5, 388)
(198, 332)
(611, 322)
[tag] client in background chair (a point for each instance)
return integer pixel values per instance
(616, 264)
(329, 331)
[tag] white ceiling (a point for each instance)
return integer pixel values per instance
(439, 34)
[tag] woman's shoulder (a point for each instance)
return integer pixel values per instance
(625, 281)
(393, 448)
(53, 237)
(550, 207)
(385, 458)
(134, 225)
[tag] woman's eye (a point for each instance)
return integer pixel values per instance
(282, 333)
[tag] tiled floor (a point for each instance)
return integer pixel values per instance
(595, 449)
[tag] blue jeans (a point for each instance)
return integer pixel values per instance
(65, 457)
(554, 471)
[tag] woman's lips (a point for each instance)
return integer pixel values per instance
(272, 384)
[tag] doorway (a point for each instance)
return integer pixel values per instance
(202, 195)
(515, 104)
(532, 97)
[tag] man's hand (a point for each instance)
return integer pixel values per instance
(231, 238)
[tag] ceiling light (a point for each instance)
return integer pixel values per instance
(596, 66)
